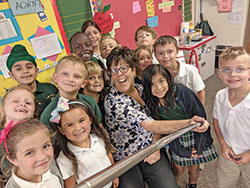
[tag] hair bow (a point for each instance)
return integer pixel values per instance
(62, 106)
(5, 132)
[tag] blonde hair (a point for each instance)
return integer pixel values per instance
(139, 49)
(93, 68)
(104, 37)
(75, 59)
(16, 134)
(3, 102)
(232, 53)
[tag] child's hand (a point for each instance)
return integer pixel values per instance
(153, 158)
(242, 158)
(115, 182)
(227, 152)
(204, 124)
(194, 154)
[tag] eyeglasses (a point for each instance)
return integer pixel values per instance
(122, 69)
(237, 70)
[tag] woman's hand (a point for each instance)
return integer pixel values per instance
(153, 158)
(115, 182)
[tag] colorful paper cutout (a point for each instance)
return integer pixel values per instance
(152, 21)
(150, 8)
(94, 6)
(166, 5)
(136, 7)
(44, 31)
(104, 20)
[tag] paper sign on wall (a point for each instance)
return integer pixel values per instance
(19, 7)
(46, 45)
(150, 8)
(224, 5)
(136, 7)
(7, 29)
(166, 5)
(152, 21)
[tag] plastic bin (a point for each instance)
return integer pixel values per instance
(218, 51)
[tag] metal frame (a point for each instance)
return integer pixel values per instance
(107, 175)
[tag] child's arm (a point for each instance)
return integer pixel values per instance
(154, 157)
(116, 180)
(226, 151)
(69, 182)
(201, 96)
(242, 159)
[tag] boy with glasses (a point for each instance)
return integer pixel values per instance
(231, 117)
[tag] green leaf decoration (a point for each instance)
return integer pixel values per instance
(106, 8)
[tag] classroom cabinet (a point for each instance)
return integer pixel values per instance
(202, 55)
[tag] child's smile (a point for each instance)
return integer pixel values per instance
(34, 156)
(69, 77)
(166, 55)
(19, 105)
(229, 76)
(159, 86)
(76, 126)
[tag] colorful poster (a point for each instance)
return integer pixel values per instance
(8, 15)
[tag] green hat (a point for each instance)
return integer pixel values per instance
(19, 53)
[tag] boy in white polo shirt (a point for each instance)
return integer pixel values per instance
(231, 117)
(166, 51)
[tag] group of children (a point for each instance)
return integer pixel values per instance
(74, 111)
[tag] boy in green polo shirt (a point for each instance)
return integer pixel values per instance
(23, 69)
(70, 75)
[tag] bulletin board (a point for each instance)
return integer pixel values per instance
(31, 26)
(168, 22)
(127, 16)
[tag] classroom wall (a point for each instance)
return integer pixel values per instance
(227, 34)
(28, 24)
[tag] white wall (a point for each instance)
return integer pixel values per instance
(227, 34)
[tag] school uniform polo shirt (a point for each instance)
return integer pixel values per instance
(48, 181)
(46, 114)
(45, 93)
(91, 160)
(189, 76)
(233, 121)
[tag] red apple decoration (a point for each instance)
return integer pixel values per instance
(104, 20)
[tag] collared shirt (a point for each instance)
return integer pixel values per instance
(91, 160)
(123, 119)
(234, 121)
(48, 181)
(44, 94)
(189, 76)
